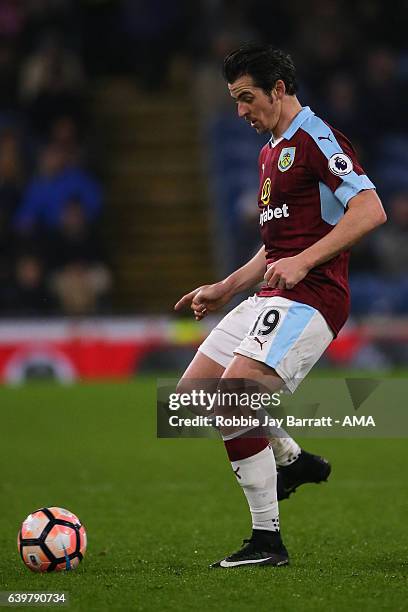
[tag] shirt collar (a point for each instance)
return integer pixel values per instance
(302, 115)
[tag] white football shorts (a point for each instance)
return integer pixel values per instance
(288, 336)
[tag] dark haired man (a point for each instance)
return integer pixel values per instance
(314, 203)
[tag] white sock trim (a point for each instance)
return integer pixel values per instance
(286, 450)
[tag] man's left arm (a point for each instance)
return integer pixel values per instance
(364, 213)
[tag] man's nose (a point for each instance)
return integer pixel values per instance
(242, 110)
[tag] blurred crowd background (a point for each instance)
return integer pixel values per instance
(99, 95)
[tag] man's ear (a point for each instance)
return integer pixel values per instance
(279, 89)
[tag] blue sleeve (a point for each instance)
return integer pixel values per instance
(334, 161)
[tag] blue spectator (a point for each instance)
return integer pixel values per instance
(49, 192)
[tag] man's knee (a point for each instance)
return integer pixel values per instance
(253, 372)
(198, 394)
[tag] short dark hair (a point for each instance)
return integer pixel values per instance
(264, 64)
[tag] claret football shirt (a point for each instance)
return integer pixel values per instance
(307, 178)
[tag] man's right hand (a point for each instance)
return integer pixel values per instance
(205, 299)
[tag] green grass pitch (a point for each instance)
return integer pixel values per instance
(158, 512)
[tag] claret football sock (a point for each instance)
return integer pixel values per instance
(286, 450)
(253, 463)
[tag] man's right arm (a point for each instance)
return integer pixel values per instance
(209, 298)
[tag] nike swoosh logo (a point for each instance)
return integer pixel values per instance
(226, 563)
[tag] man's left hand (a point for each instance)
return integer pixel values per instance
(286, 273)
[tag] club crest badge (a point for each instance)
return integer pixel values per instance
(286, 158)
